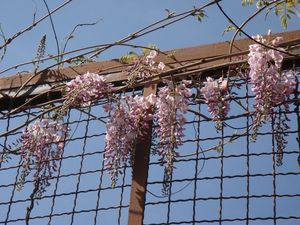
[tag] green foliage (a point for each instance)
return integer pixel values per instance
(171, 55)
(149, 48)
(229, 28)
(53, 57)
(170, 13)
(199, 15)
(283, 9)
(259, 3)
(219, 147)
(283, 20)
(129, 57)
(79, 60)
(247, 2)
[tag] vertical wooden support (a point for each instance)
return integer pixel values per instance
(140, 172)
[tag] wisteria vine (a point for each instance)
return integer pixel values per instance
(269, 83)
(172, 104)
(42, 145)
(86, 88)
(144, 67)
(129, 117)
(216, 97)
(81, 91)
(42, 142)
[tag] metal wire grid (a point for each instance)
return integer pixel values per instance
(80, 191)
(239, 185)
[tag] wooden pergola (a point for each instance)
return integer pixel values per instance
(187, 62)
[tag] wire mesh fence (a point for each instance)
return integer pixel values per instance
(221, 176)
(226, 178)
(80, 190)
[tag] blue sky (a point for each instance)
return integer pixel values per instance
(117, 19)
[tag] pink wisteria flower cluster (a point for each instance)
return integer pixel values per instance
(150, 61)
(144, 67)
(42, 145)
(216, 97)
(172, 104)
(128, 120)
(85, 88)
(270, 85)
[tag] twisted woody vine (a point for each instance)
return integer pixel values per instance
(42, 141)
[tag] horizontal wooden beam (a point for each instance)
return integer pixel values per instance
(208, 55)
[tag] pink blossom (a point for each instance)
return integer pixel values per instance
(172, 104)
(277, 41)
(270, 86)
(145, 67)
(85, 88)
(161, 66)
(128, 121)
(42, 145)
(150, 57)
(216, 97)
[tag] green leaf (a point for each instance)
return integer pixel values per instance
(229, 28)
(79, 60)
(278, 10)
(292, 3)
(267, 13)
(283, 20)
(247, 2)
(172, 55)
(54, 58)
(290, 11)
(149, 48)
(199, 15)
(129, 57)
(219, 148)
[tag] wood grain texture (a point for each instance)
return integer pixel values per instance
(205, 57)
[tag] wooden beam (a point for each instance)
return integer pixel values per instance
(140, 172)
(113, 69)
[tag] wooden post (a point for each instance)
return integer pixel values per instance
(140, 172)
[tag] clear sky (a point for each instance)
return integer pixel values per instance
(117, 19)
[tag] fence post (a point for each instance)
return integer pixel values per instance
(140, 172)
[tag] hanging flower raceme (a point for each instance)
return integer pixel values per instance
(42, 145)
(128, 121)
(216, 97)
(270, 85)
(83, 89)
(144, 67)
(172, 104)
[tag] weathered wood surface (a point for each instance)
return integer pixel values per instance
(207, 56)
